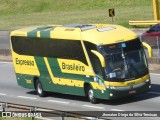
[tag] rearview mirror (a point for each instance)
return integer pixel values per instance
(150, 52)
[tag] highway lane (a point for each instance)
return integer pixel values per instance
(11, 92)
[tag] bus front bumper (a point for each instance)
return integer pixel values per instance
(119, 92)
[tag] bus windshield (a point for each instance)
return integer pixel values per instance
(124, 61)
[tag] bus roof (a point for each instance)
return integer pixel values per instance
(98, 34)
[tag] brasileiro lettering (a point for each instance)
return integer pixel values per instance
(73, 67)
(24, 62)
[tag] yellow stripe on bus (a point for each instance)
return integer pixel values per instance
(62, 81)
(95, 85)
(128, 83)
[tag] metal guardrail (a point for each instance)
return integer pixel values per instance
(143, 22)
(46, 112)
(5, 52)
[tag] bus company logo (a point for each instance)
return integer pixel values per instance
(24, 62)
(73, 67)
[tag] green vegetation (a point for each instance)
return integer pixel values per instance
(19, 13)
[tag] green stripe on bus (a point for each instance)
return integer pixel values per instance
(32, 33)
(44, 74)
(45, 33)
(47, 83)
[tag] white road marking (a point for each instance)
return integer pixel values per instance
(26, 97)
(154, 74)
(3, 94)
(42, 118)
(58, 101)
(154, 93)
(90, 118)
(90, 106)
(117, 110)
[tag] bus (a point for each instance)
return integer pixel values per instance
(99, 61)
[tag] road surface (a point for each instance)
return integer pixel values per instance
(12, 93)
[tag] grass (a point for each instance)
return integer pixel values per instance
(20, 13)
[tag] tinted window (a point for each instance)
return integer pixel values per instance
(117, 47)
(45, 47)
(158, 28)
(90, 46)
(93, 58)
(154, 28)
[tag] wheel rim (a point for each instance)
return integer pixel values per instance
(39, 88)
(91, 95)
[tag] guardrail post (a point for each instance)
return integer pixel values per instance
(63, 115)
(33, 109)
(4, 105)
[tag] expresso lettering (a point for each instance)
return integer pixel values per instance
(24, 62)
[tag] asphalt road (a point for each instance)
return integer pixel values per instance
(12, 93)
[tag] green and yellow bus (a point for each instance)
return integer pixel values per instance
(100, 61)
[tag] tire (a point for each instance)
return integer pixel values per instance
(91, 96)
(39, 89)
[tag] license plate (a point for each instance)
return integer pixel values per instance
(132, 92)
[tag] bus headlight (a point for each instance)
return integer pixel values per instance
(107, 86)
(111, 94)
(147, 80)
(112, 87)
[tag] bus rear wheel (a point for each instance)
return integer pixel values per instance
(39, 89)
(91, 96)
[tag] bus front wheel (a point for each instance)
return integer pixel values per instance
(39, 89)
(91, 96)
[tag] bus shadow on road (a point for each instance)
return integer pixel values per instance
(155, 92)
(61, 96)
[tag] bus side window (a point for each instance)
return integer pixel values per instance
(96, 66)
(46, 47)
(19, 44)
(78, 52)
(69, 49)
(93, 58)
